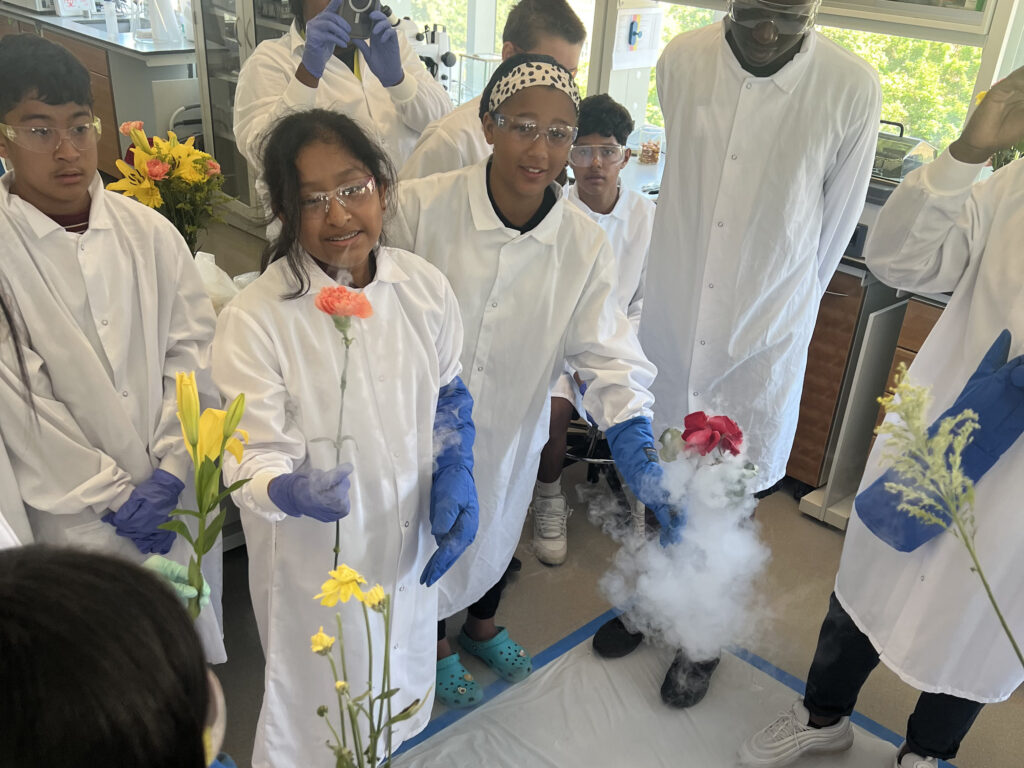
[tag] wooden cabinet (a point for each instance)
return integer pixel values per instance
(827, 358)
(918, 322)
(94, 59)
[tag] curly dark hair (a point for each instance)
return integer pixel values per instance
(281, 148)
(603, 115)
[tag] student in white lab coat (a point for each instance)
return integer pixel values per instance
(329, 184)
(380, 83)
(109, 307)
(771, 130)
(923, 612)
(626, 217)
(548, 27)
(537, 287)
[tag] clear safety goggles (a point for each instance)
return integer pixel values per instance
(352, 195)
(41, 138)
(787, 19)
(606, 154)
(527, 131)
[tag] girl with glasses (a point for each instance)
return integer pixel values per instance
(536, 283)
(384, 485)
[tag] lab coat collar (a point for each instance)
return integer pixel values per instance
(295, 39)
(41, 224)
(787, 78)
(484, 217)
(388, 271)
(620, 211)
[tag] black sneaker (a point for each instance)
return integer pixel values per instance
(686, 682)
(613, 640)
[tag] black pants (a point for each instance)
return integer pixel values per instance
(484, 608)
(842, 662)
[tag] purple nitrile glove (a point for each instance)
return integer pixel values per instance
(322, 495)
(324, 32)
(383, 55)
(149, 506)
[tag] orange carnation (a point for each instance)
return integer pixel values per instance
(339, 301)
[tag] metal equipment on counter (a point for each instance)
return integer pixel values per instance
(898, 155)
(432, 45)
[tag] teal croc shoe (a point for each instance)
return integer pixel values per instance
(501, 653)
(455, 686)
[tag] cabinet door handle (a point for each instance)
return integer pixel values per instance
(840, 295)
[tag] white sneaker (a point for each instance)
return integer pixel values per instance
(912, 760)
(549, 540)
(790, 736)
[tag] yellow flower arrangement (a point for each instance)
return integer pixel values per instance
(374, 708)
(176, 179)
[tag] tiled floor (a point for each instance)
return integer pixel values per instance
(543, 605)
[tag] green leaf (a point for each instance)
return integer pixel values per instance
(228, 491)
(387, 694)
(189, 512)
(178, 527)
(408, 712)
(209, 537)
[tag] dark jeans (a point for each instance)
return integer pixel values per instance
(842, 662)
(484, 608)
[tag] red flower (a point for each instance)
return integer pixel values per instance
(128, 126)
(339, 301)
(212, 167)
(704, 434)
(157, 169)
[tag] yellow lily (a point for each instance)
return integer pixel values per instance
(136, 184)
(343, 585)
(235, 411)
(211, 433)
(188, 406)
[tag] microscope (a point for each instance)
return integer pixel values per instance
(431, 44)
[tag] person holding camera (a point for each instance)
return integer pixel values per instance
(324, 61)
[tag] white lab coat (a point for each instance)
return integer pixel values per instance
(925, 611)
(268, 90)
(764, 183)
(110, 316)
(455, 141)
(628, 228)
(14, 527)
(287, 357)
(529, 302)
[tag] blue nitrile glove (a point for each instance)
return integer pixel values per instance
(176, 575)
(454, 511)
(149, 506)
(995, 391)
(324, 32)
(383, 55)
(316, 493)
(632, 446)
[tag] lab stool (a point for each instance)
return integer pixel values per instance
(586, 443)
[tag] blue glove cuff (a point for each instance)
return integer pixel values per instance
(454, 431)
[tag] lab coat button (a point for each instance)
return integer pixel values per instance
(749, 86)
(695, 394)
(401, 589)
(711, 285)
(733, 156)
(494, 304)
(380, 378)
(104, 322)
(721, 224)
(406, 524)
(125, 393)
(479, 367)
(702, 342)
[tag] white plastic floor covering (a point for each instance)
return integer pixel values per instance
(581, 711)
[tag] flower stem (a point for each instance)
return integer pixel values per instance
(969, 543)
(341, 435)
(344, 668)
(369, 650)
(341, 706)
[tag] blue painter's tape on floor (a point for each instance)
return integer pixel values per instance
(587, 631)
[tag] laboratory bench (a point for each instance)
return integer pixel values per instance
(131, 79)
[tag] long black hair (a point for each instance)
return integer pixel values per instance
(281, 149)
(100, 664)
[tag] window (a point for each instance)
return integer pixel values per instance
(926, 85)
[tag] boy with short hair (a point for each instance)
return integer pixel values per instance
(109, 307)
(627, 217)
(548, 27)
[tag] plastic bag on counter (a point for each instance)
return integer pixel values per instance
(219, 285)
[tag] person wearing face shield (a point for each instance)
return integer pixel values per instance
(771, 131)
